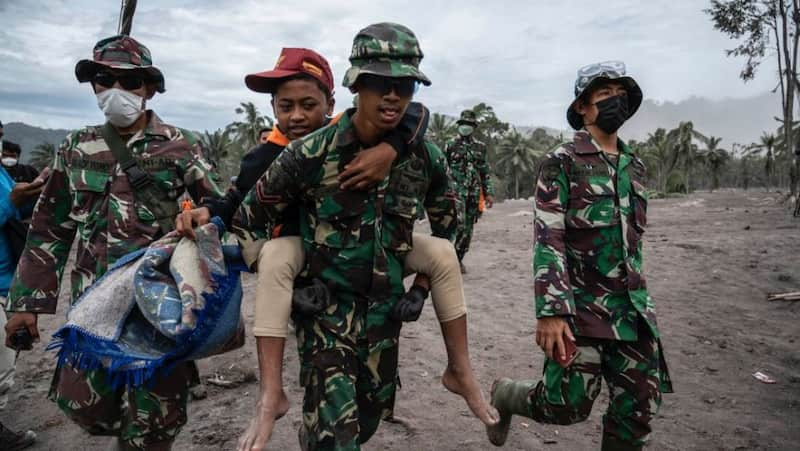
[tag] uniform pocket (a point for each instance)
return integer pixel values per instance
(592, 202)
(160, 199)
(339, 218)
(400, 212)
(88, 188)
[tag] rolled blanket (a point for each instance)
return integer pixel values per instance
(175, 301)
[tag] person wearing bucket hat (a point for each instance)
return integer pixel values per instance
(467, 159)
(355, 241)
(93, 196)
(591, 201)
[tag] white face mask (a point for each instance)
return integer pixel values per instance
(121, 107)
(9, 162)
(465, 130)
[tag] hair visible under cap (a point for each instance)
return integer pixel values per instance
(306, 77)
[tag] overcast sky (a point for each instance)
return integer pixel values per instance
(518, 56)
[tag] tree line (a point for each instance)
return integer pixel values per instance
(679, 160)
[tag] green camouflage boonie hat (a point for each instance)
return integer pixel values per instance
(119, 52)
(468, 117)
(385, 49)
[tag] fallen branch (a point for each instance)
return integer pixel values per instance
(790, 296)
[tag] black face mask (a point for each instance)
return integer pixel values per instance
(611, 113)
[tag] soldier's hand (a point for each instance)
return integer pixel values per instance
(409, 306)
(489, 201)
(21, 320)
(187, 220)
(368, 167)
(550, 335)
(25, 192)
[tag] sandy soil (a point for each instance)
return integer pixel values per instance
(710, 260)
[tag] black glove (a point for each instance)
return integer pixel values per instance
(409, 307)
(311, 299)
(22, 340)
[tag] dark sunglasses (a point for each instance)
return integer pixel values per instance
(127, 81)
(403, 87)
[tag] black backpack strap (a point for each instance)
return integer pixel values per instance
(144, 187)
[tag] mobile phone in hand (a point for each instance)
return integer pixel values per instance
(571, 353)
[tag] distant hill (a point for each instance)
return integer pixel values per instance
(735, 120)
(28, 136)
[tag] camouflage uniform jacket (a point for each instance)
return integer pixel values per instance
(590, 214)
(467, 160)
(355, 241)
(88, 194)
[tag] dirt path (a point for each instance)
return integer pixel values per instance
(710, 260)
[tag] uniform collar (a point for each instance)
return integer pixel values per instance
(156, 128)
(345, 131)
(585, 144)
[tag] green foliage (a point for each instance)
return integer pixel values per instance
(223, 152)
(226, 147)
(245, 131)
(42, 156)
(767, 30)
(678, 160)
(440, 129)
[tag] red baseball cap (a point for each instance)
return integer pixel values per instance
(292, 61)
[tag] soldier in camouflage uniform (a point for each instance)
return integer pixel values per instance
(467, 159)
(90, 195)
(355, 241)
(590, 206)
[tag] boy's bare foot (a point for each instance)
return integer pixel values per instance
(463, 383)
(269, 409)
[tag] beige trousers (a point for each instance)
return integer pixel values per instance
(280, 260)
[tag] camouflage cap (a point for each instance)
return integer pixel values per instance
(385, 49)
(591, 75)
(119, 52)
(468, 117)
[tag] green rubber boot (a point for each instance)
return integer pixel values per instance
(510, 398)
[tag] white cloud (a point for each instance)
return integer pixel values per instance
(519, 56)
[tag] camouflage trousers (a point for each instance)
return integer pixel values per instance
(349, 388)
(146, 417)
(465, 227)
(635, 374)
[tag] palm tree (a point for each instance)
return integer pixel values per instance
(686, 151)
(713, 156)
(440, 129)
(517, 158)
(768, 143)
(660, 157)
(716, 158)
(246, 130)
(42, 156)
(222, 152)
